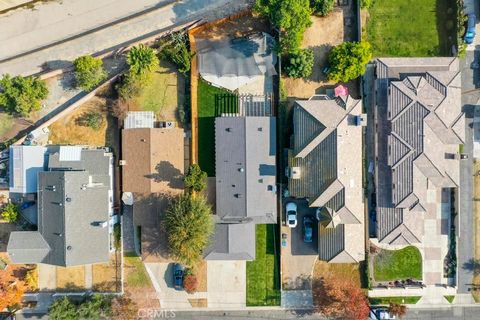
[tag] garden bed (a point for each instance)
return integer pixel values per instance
(393, 265)
(412, 28)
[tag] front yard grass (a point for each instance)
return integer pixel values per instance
(399, 300)
(411, 28)
(136, 273)
(71, 278)
(212, 102)
(390, 265)
(263, 277)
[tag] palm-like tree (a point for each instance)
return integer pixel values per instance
(142, 59)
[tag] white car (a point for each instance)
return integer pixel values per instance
(291, 209)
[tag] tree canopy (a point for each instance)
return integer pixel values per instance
(141, 59)
(195, 179)
(291, 17)
(299, 64)
(189, 225)
(175, 49)
(94, 307)
(340, 299)
(348, 60)
(10, 212)
(322, 7)
(11, 290)
(89, 72)
(22, 95)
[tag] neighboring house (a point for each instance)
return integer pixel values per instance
(25, 163)
(325, 167)
(237, 63)
(245, 151)
(75, 208)
(153, 166)
(420, 125)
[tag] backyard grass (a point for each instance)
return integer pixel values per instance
(212, 102)
(263, 278)
(71, 278)
(6, 123)
(136, 273)
(411, 28)
(390, 265)
(399, 300)
(163, 94)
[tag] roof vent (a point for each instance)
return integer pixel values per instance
(260, 129)
(68, 199)
(228, 129)
(241, 170)
(69, 248)
(143, 140)
(293, 172)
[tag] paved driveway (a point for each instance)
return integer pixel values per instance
(298, 257)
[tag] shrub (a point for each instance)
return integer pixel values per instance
(175, 49)
(322, 7)
(348, 60)
(22, 95)
(299, 64)
(291, 17)
(94, 307)
(195, 179)
(10, 212)
(89, 72)
(190, 283)
(366, 4)
(31, 278)
(141, 60)
(189, 225)
(91, 119)
(397, 310)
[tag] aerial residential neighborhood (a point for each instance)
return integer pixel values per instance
(247, 159)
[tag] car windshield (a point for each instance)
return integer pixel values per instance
(291, 213)
(291, 221)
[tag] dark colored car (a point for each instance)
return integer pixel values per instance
(307, 229)
(178, 272)
(470, 33)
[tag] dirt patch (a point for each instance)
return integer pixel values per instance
(325, 33)
(71, 278)
(201, 273)
(350, 272)
(106, 276)
(239, 27)
(198, 303)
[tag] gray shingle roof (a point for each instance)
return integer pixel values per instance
(234, 241)
(420, 123)
(327, 151)
(74, 201)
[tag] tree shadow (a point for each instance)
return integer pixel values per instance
(472, 265)
(166, 172)
(302, 282)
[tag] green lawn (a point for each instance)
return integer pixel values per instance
(212, 102)
(399, 300)
(411, 28)
(402, 264)
(263, 274)
(6, 123)
(449, 298)
(136, 273)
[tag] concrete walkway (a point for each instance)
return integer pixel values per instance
(9, 4)
(37, 32)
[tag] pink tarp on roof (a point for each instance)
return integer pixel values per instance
(341, 91)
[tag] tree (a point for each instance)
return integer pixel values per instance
(348, 60)
(291, 17)
(195, 179)
(190, 283)
(340, 299)
(89, 72)
(299, 64)
(10, 212)
(189, 226)
(175, 49)
(124, 308)
(62, 309)
(22, 95)
(141, 60)
(397, 310)
(11, 291)
(322, 7)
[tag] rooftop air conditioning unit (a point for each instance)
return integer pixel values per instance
(293, 173)
(168, 124)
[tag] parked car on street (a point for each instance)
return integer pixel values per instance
(470, 33)
(307, 229)
(291, 209)
(178, 272)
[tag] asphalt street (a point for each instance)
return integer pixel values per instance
(57, 41)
